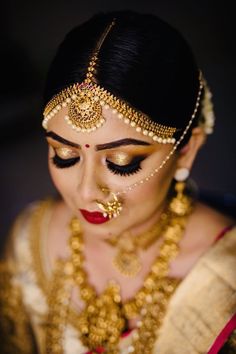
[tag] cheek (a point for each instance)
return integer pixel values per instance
(153, 192)
(62, 179)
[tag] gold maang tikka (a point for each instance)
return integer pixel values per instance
(86, 100)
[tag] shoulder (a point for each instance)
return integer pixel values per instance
(206, 225)
(21, 226)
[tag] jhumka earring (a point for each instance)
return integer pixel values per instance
(111, 208)
(181, 203)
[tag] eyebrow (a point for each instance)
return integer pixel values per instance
(111, 145)
(122, 142)
(54, 136)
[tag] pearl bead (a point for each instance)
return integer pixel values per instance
(133, 124)
(181, 174)
(138, 129)
(126, 120)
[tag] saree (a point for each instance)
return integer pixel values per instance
(200, 318)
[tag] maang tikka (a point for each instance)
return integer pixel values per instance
(86, 100)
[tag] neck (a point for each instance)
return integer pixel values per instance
(95, 236)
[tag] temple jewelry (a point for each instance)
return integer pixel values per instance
(103, 317)
(126, 260)
(112, 208)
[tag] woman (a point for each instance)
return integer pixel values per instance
(126, 261)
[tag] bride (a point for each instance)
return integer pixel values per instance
(127, 260)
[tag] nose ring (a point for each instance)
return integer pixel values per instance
(112, 208)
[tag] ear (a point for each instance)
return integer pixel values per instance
(189, 152)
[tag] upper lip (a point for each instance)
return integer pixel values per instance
(94, 213)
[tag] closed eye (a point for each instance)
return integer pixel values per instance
(125, 170)
(64, 163)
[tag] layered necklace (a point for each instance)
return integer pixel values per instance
(104, 317)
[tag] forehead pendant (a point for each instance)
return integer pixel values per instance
(84, 111)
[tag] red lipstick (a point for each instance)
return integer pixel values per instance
(94, 217)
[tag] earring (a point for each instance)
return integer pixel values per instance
(181, 204)
(112, 208)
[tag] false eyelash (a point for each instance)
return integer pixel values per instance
(64, 163)
(126, 170)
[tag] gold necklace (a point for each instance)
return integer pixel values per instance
(126, 260)
(103, 318)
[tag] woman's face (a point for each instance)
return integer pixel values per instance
(114, 156)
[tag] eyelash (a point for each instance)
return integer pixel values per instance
(125, 170)
(64, 163)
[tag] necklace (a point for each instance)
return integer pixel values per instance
(126, 260)
(103, 318)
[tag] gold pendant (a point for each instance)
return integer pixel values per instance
(128, 263)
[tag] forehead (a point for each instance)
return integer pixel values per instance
(113, 129)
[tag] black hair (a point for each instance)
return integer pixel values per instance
(143, 60)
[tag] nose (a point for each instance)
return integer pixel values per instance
(90, 186)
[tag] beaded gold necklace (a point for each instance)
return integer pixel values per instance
(103, 318)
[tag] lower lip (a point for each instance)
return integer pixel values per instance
(94, 217)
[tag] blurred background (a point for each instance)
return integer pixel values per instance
(30, 34)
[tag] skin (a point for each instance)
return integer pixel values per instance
(80, 187)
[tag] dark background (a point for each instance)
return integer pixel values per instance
(30, 34)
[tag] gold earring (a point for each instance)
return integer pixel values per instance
(181, 203)
(112, 208)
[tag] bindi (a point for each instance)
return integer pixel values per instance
(87, 145)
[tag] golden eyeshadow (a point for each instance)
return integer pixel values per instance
(65, 153)
(120, 158)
